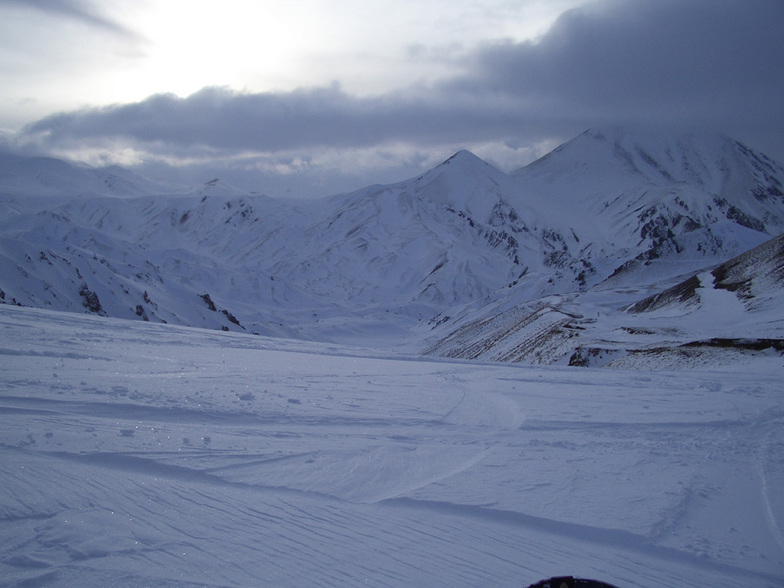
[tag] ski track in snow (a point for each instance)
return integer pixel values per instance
(138, 454)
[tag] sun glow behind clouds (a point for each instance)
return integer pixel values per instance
(368, 47)
(73, 56)
(64, 56)
(231, 43)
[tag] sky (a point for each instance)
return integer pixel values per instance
(306, 98)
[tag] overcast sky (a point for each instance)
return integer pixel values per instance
(312, 97)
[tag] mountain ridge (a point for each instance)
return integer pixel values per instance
(462, 238)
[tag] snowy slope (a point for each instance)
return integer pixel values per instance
(32, 183)
(724, 315)
(136, 454)
(152, 257)
(644, 195)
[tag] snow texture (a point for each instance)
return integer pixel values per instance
(140, 454)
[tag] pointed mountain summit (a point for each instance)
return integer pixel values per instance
(465, 158)
(464, 182)
(648, 194)
(615, 158)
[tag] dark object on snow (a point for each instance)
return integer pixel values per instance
(570, 582)
(210, 303)
(90, 300)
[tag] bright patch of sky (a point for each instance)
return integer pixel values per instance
(63, 55)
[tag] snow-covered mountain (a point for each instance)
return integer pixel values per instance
(33, 181)
(655, 194)
(610, 211)
(721, 315)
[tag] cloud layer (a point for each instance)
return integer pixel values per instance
(73, 9)
(665, 62)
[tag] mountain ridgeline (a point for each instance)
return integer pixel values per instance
(462, 261)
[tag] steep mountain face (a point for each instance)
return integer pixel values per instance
(721, 314)
(756, 277)
(164, 258)
(461, 243)
(445, 238)
(660, 196)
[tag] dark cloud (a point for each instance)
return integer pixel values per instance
(221, 119)
(78, 10)
(717, 64)
(652, 59)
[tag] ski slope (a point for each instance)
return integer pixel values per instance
(140, 454)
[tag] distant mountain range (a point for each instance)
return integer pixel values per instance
(570, 259)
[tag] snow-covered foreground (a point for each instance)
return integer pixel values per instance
(134, 454)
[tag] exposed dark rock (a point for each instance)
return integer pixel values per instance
(209, 302)
(90, 300)
(680, 293)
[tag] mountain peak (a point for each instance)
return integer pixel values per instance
(618, 154)
(464, 182)
(464, 157)
(461, 165)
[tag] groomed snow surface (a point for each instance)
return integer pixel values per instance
(136, 454)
